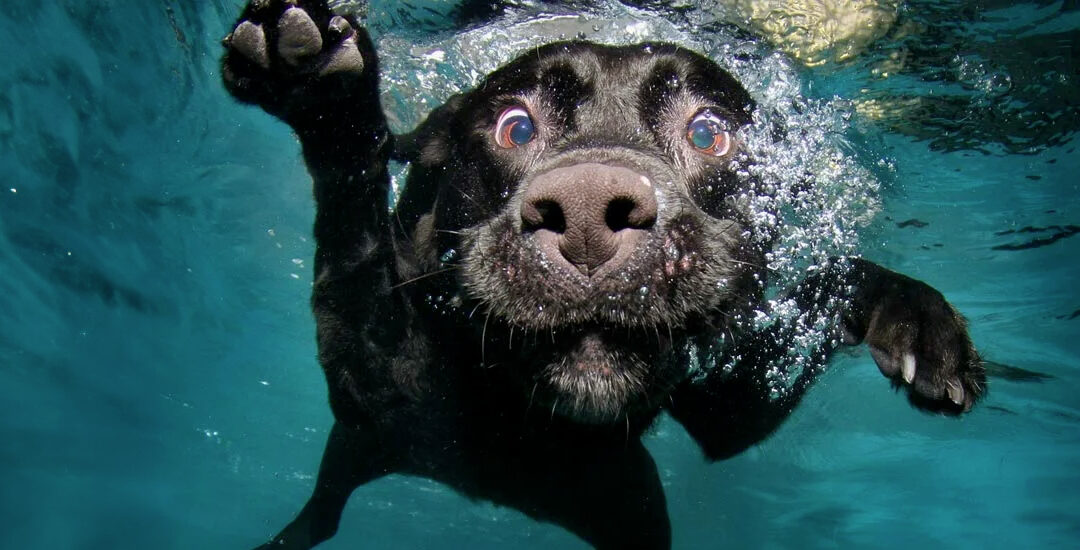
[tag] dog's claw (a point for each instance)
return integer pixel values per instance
(338, 27)
(908, 367)
(921, 343)
(956, 392)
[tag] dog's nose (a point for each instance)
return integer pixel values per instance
(592, 215)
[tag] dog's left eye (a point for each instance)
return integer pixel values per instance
(514, 129)
(707, 134)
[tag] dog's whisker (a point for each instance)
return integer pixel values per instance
(532, 396)
(483, 339)
(425, 276)
(478, 305)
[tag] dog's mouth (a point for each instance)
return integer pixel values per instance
(596, 373)
(598, 347)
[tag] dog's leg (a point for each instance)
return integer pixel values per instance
(351, 459)
(610, 496)
(918, 340)
(318, 73)
(916, 337)
(728, 412)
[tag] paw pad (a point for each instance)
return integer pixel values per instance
(298, 37)
(281, 52)
(249, 40)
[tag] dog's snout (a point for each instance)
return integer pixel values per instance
(590, 215)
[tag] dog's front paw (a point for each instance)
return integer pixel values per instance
(290, 56)
(920, 342)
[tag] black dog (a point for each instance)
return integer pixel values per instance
(567, 237)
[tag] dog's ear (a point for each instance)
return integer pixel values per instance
(425, 149)
(429, 144)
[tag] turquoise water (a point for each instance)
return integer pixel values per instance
(158, 383)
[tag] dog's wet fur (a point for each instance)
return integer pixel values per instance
(595, 346)
(530, 306)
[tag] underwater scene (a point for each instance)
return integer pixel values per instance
(160, 384)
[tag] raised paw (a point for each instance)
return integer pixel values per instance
(290, 56)
(920, 342)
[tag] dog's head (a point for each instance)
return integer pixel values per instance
(586, 209)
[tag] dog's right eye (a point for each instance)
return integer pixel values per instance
(707, 134)
(514, 129)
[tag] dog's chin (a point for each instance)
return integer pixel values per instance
(596, 378)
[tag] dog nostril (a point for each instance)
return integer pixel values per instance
(545, 214)
(619, 215)
(626, 213)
